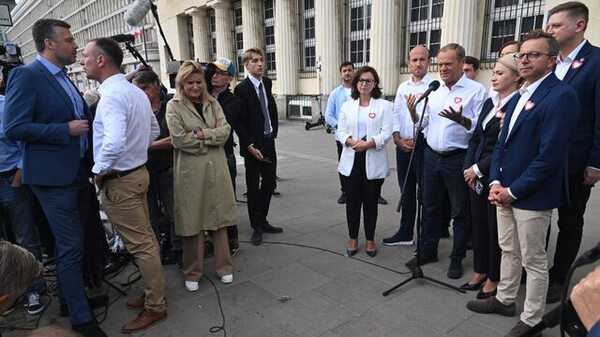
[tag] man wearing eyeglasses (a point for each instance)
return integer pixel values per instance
(529, 178)
(578, 63)
(449, 119)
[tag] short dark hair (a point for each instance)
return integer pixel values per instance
(472, 61)
(345, 64)
(110, 48)
(145, 76)
(458, 49)
(44, 29)
(574, 9)
(376, 93)
(508, 43)
(553, 47)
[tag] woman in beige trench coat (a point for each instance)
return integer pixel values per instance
(204, 198)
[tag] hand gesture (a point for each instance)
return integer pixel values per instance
(470, 177)
(452, 114)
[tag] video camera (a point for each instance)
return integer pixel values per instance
(10, 58)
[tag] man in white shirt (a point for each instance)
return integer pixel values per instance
(124, 128)
(337, 97)
(450, 119)
(577, 64)
(528, 178)
(404, 131)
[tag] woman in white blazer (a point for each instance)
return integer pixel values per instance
(364, 127)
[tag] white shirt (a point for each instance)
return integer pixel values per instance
(442, 133)
(526, 93)
(124, 126)
(562, 66)
(402, 122)
(348, 92)
(256, 82)
(363, 111)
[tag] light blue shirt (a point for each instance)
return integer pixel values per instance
(336, 99)
(61, 76)
(10, 151)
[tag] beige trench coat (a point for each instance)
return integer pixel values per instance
(204, 197)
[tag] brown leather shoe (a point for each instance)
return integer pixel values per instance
(519, 329)
(136, 303)
(491, 305)
(144, 319)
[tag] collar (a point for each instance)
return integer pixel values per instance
(255, 81)
(531, 88)
(571, 55)
(461, 83)
(109, 81)
(52, 68)
(425, 80)
(496, 98)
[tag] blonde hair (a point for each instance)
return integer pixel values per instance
(248, 54)
(18, 268)
(187, 69)
(509, 61)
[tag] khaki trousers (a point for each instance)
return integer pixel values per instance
(522, 239)
(193, 255)
(124, 200)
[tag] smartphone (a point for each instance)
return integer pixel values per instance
(478, 187)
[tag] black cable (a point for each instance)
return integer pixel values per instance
(217, 328)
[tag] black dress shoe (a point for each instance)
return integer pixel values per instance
(554, 293)
(351, 252)
(342, 199)
(268, 228)
(424, 259)
(90, 329)
(372, 253)
(256, 237)
(455, 271)
(483, 295)
(381, 201)
(94, 302)
(472, 287)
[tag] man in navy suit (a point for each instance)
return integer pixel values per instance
(579, 65)
(257, 129)
(529, 178)
(45, 111)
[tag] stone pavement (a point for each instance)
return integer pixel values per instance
(299, 283)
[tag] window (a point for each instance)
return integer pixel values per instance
(509, 20)
(239, 36)
(360, 29)
(212, 24)
(190, 33)
(307, 8)
(269, 13)
(424, 25)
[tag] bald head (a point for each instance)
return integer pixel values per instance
(418, 62)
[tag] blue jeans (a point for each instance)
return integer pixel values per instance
(409, 201)
(16, 212)
(443, 174)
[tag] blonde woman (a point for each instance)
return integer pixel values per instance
(203, 192)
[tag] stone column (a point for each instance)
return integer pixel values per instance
(385, 43)
(224, 27)
(459, 24)
(329, 47)
(253, 27)
(201, 34)
(286, 47)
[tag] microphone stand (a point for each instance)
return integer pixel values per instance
(155, 14)
(417, 271)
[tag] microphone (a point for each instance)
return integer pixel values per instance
(433, 86)
(123, 38)
(137, 12)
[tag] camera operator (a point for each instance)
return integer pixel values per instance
(585, 298)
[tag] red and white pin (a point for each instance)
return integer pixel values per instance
(457, 100)
(529, 105)
(499, 113)
(577, 63)
(372, 115)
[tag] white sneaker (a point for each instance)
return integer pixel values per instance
(191, 285)
(226, 279)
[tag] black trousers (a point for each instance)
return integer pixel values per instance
(486, 251)
(260, 182)
(570, 228)
(361, 192)
(342, 177)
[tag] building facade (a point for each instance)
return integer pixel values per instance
(89, 19)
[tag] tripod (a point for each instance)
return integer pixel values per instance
(417, 271)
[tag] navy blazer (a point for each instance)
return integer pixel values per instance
(37, 111)
(250, 124)
(482, 142)
(584, 76)
(533, 160)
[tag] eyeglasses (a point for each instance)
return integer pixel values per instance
(365, 81)
(532, 56)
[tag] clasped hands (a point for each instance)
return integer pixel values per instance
(499, 196)
(359, 145)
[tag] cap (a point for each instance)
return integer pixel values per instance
(224, 64)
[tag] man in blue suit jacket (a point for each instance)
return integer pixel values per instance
(579, 65)
(529, 178)
(45, 111)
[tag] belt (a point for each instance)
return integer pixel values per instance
(448, 153)
(7, 174)
(115, 175)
